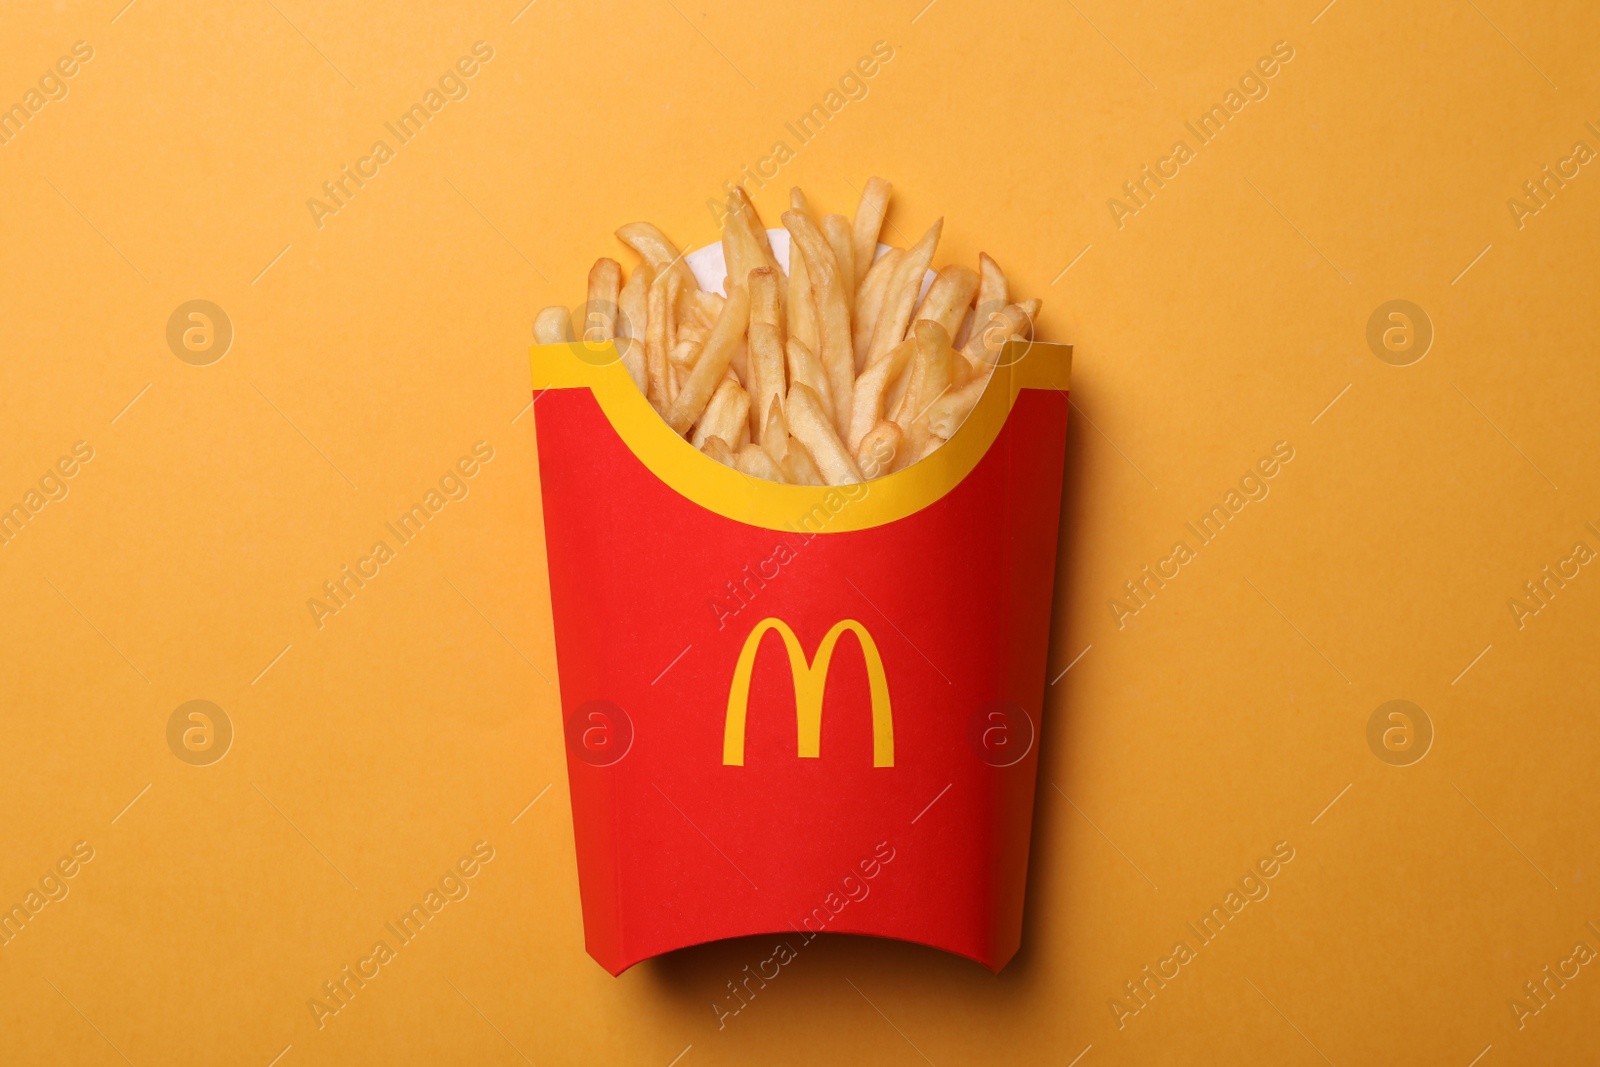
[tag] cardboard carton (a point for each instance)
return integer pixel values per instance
(792, 710)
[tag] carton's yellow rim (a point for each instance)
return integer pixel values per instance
(799, 508)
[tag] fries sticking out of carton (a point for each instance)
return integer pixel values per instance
(842, 365)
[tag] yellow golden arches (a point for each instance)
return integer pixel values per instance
(810, 680)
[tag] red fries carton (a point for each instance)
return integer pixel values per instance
(793, 710)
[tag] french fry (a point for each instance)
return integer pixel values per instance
(715, 357)
(836, 228)
(810, 425)
(804, 366)
(991, 283)
(871, 389)
(654, 248)
(697, 307)
(988, 338)
(921, 450)
(755, 462)
(683, 354)
(869, 302)
(633, 303)
(833, 316)
(767, 379)
(798, 466)
(632, 313)
(751, 221)
(727, 416)
(895, 395)
(992, 296)
(552, 326)
(902, 295)
(718, 449)
(800, 304)
(660, 336)
(600, 310)
(868, 222)
(930, 380)
(740, 248)
(773, 434)
(948, 298)
(946, 414)
(879, 448)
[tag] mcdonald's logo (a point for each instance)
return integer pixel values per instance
(810, 680)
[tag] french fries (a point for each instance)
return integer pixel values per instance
(833, 311)
(836, 371)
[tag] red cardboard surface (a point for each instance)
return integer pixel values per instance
(655, 599)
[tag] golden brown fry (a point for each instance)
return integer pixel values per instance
(632, 314)
(920, 450)
(654, 248)
(726, 416)
(810, 425)
(992, 283)
(902, 295)
(633, 303)
(739, 248)
(755, 462)
(774, 433)
(833, 315)
(869, 220)
(552, 326)
(879, 449)
(600, 310)
(660, 337)
(752, 222)
(715, 356)
(946, 414)
(768, 382)
(698, 307)
(930, 380)
(869, 302)
(718, 449)
(988, 338)
(836, 228)
(800, 303)
(804, 366)
(949, 297)
(872, 387)
(683, 354)
(799, 467)
(992, 296)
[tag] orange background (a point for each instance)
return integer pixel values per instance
(369, 354)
